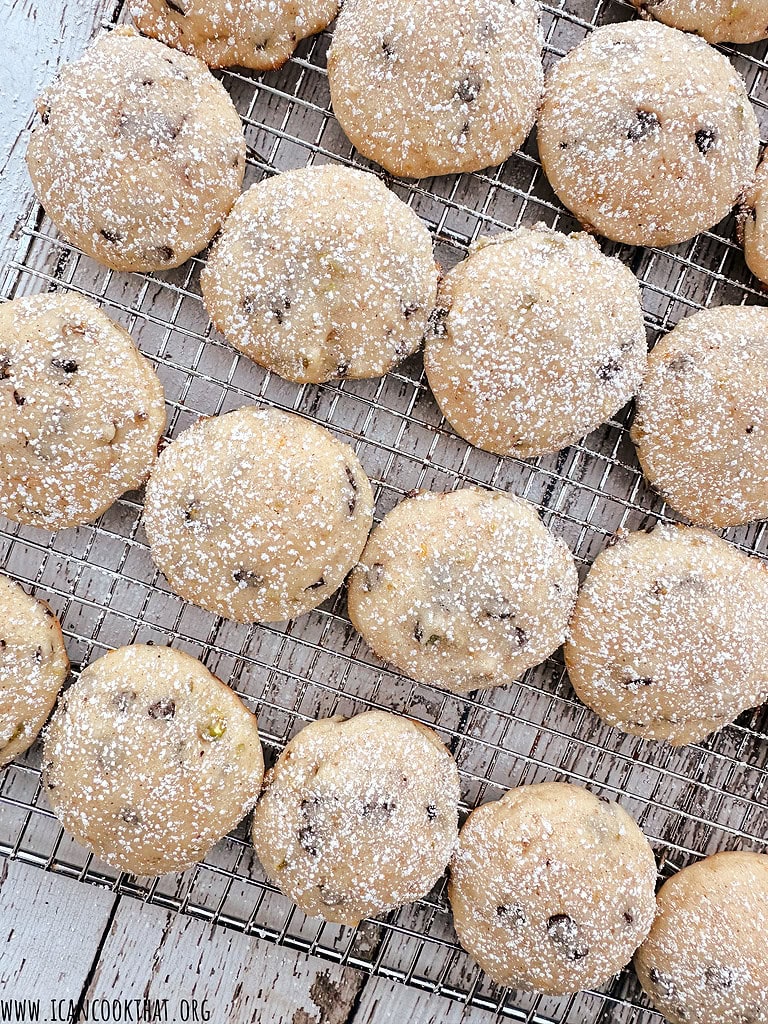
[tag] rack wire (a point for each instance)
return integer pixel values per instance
(101, 582)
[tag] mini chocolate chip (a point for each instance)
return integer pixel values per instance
(610, 369)
(5, 367)
(663, 982)
(179, 6)
(705, 139)
(162, 253)
(192, 514)
(431, 811)
(148, 81)
(65, 365)
(123, 700)
(111, 235)
(418, 633)
(681, 363)
(564, 145)
(436, 324)
(750, 428)
(248, 578)
(130, 816)
(629, 917)
(373, 576)
(3, 644)
(464, 130)
(307, 834)
(388, 49)
(500, 610)
(317, 584)
(719, 978)
(45, 115)
(248, 302)
(165, 709)
(380, 811)
(278, 306)
(563, 933)
(645, 124)
(352, 501)
(635, 683)
(330, 897)
(521, 636)
(511, 914)
(342, 368)
(39, 655)
(18, 399)
(409, 308)
(468, 89)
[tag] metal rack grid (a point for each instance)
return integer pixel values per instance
(101, 582)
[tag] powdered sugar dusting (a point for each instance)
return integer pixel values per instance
(716, 21)
(257, 515)
(322, 273)
(705, 959)
(537, 339)
(134, 112)
(551, 888)
(258, 35)
(149, 759)
(701, 428)
(33, 666)
(463, 590)
(358, 816)
(668, 637)
(81, 411)
(436, 86)
(647, 134)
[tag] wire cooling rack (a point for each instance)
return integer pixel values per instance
(101, 582)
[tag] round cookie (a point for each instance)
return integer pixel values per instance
(463, 590)
(257, 515)
(149, 759)
(429, 87)
(704, 961)
(668, 637)
(551, 888)
(753, 224)
(537, 339)
(647, 134)
(33, 667)
(701, 426)
(322, 273)
(224, 33)
(139, 155)
(81, 411)
(717, 21)
(358, 816)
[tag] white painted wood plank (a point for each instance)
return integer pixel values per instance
(389, 1002)
(156, 954)
(50, 930)
(40, 36)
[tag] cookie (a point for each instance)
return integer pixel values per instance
(149, 760)
(257, 515)
(358, 816)
(701, 427)
(139, 153)
(705, 959)
(322, 273)
(551, 888)
(81, 411)
(429, 87)
(753, 224)
(668, 637)
(717, 21)
(224, 33)
(537, 339)
(33, 667)
(463, 590)
(647, 134)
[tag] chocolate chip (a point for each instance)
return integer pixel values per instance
(5, 367)
(645, 124)
(511, 914)
(156, 126)
(111, 235)
(130, 816)
(39, 655)
(45, 115)
(464, 130)
(610, 369)
(409, 308)
(123, 700)
(3, 644)
(521, 636)
(431, 811)
(248, 302)
(563, 933)
(634, 684)
(468, 89)
(564, 145)
(18, 399)
(387, 49)
(681, 363)
(418, 633)
(159, 253)
(247, 578)
(436, 324)
(705, 139)
(629, 917)
(193, 517)
(180, 6)
(379, 811)
(719, 978)
(373, 576)
(500, 610)
(342, 368)
(164, 709)
(352, 500)
(750, 428)
(65, 365)
(307, 835)
(663, 982)
(316, 586)
(278, 306)
(330, 897)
